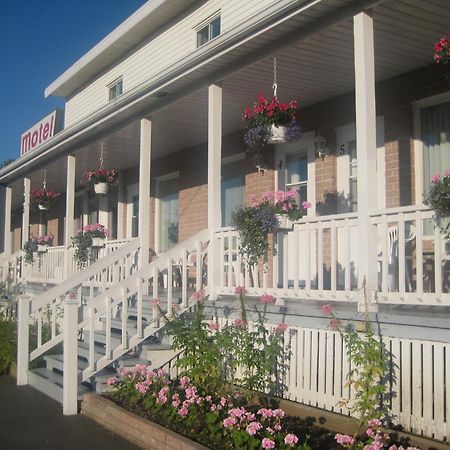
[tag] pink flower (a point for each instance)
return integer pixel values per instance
(306, 204)
(344, 439)
(334, 324)
(267, 298)
(239, 323)
(183, 412)
(267, 443)
(111, 381)
(237, 412)
(374, 423)
(253, 427)
(290, 439)
(155, 302)
(327, 309)
(229, 421)
(266, 413)
(213, 326)
(278, 412)
(198, 295)
(240, 290)
(281, 328)
(435, 178)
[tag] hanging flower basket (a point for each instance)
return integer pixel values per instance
(270, 122)
(101, 188)
(87, 238)
(43, 198)
(284, 223)
(438, 199)
(100, 180)
(42, 248)
(98, 242)
(36, 244)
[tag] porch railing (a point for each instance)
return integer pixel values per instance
(49, 266)
(318, 259)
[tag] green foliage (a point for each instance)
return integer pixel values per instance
(29, 249)
(252, 357)
(82, 244)
(438, 199)
(8, 343)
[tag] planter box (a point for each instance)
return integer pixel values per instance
(43, 208)
(42, 248)
(101, 188)
(98, 242)
(142, 432)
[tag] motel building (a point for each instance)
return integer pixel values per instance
(160, 101)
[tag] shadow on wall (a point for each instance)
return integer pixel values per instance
(332, 203)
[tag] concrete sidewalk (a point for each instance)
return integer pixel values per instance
(30, 420)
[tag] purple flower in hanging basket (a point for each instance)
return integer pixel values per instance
(293, 132)
(257, 137)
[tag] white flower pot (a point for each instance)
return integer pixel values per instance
(98, 242)
(278, 135)
(101, 188)
(42, 248)
(43, 208)
(284, 222)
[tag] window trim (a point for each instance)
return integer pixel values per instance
(207, 22)
(229, 160)
(418, 105)
(112, 84)
(132, 191)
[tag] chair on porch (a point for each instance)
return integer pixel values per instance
(393, 258)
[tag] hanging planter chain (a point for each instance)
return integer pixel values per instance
(275, 81)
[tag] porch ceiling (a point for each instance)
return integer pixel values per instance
(314, 69)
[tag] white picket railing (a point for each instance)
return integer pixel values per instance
(413, 259)
(318, 259)
(48, 266)
(11, 267)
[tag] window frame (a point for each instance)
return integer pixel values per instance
(306, 142)
(207, 23)
(113, 85)
(239, 157)
(418, 143)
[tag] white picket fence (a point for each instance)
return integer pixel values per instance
(317, 259)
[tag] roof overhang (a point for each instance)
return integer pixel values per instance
(146, 20)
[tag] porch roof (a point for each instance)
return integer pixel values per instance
(315, 60)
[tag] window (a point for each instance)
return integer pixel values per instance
(436, 140)
(168, 199)
(115, 89)
(208, 31)
(232, 189)
(297, 174)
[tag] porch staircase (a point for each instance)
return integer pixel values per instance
(106, 326)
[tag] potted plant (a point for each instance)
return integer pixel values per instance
(268, 215)
(100, 180)
(43, 242)
(438, 199)
(88, 237)
(442, 53)
(270, 122)
(43, 198)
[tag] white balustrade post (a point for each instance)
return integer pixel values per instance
(7, 222)
(145, 157)
(366, 148)
(120, 208)
(23, 346)
(70, 348)
(214, 181)
(103, 214)
(70, 213)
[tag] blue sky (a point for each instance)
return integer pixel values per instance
(39, 41)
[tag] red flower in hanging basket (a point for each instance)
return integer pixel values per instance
(44, 198)
(442, 50)
(92, 177)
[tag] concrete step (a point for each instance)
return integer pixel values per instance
(100, 337)
(83, 351)
(50, 383)
(57, 362)
(157, 353)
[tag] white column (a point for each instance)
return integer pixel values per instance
(70, 211)
(120, 208)
(7, 237)
(26, 211)
(214, 156)
(23, 346)
(70, 349)
(103, 207)
(214, 181)
(144, 189)
(366, 147)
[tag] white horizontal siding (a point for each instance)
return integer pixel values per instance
(162, 51)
